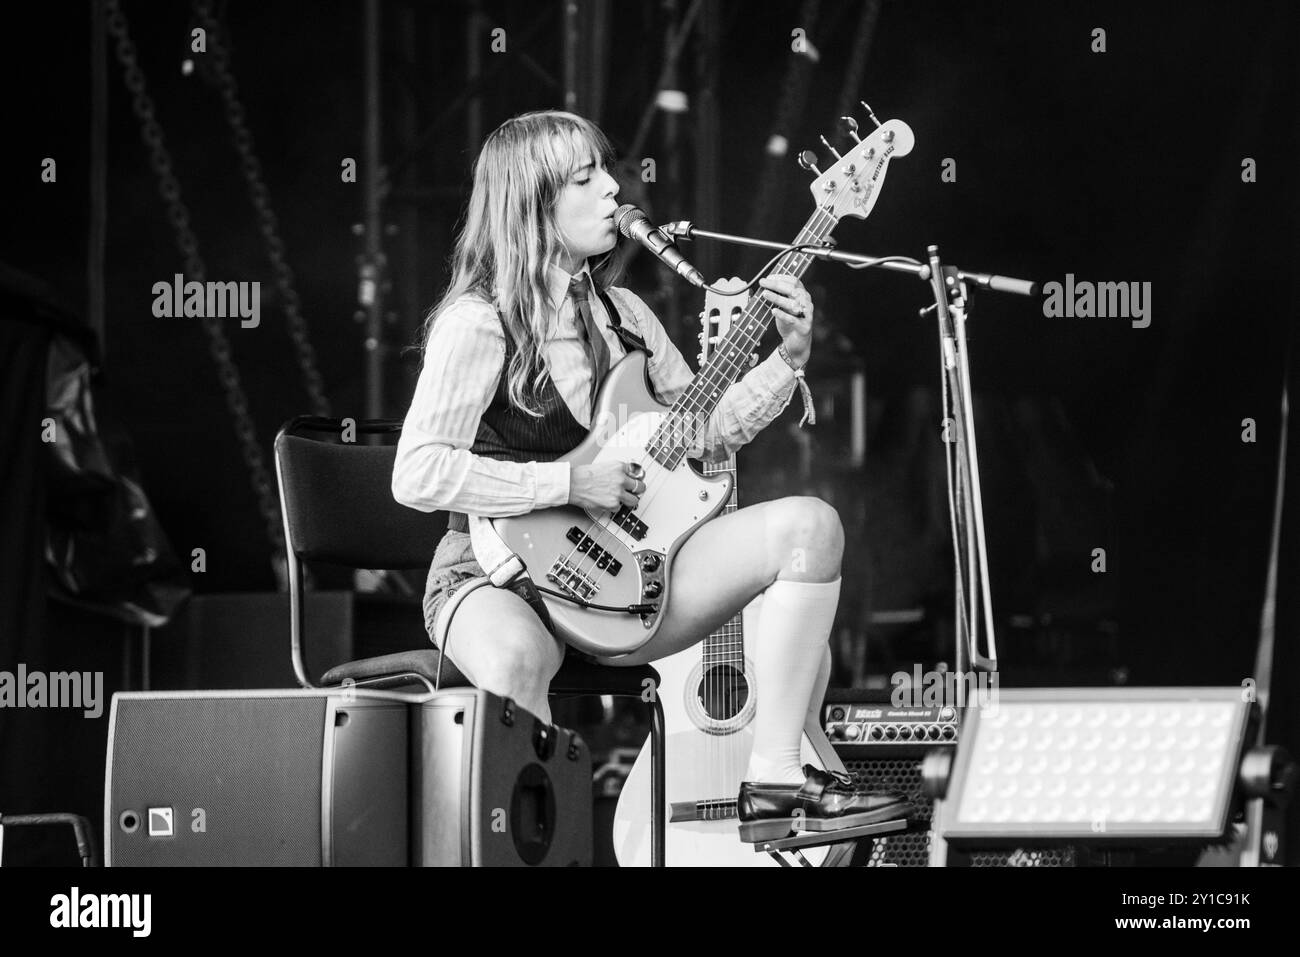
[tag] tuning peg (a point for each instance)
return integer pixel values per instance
(869, 113)
(834, 151)
(852, 124)
(807, 161)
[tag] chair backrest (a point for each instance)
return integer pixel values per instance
(338, 501)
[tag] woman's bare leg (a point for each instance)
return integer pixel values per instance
(501, 645)
(790, 550)
(731, 560)
(497, 640)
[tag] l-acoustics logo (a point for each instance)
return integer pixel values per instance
(161, 823)
(74, 909)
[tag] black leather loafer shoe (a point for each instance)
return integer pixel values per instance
(826, 801)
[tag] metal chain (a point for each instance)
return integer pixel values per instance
(195, 269)
(219, 58)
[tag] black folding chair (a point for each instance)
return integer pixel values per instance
(339, 509)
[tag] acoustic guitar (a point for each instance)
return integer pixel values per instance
(708, 698)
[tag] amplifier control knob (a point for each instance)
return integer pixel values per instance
(853, 732)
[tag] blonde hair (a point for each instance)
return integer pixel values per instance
(509, 235)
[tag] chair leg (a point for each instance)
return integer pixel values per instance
(658, 772)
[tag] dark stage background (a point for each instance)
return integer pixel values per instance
(1117, 166)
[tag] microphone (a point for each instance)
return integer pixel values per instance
(634, 224)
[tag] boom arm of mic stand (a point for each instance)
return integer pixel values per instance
(687, 230)
(952, 322)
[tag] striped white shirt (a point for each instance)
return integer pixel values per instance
(463, 361)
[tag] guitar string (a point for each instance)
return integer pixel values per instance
(813, 231)
(718, 375)
(723, 755)
(656, 482)
(745, 332)
(724, 656)
(730, 753)
(748, 331)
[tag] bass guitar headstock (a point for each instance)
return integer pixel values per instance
(851, 185)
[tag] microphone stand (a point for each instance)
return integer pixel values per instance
(973, 598)
(685, 229)
(965, 499)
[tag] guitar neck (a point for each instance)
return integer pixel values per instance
(726, 645)
(694, 407)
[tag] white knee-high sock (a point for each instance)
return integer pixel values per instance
(819, 688)
(793, 627)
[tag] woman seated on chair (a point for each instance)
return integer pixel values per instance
(508, 385)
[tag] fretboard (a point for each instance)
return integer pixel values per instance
(676, 434)
(726, 646)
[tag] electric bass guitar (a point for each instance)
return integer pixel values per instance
(708, 697)
(606, 576)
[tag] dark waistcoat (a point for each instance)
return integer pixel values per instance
(507, 434)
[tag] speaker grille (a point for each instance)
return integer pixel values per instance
(1026, 857)
(252, 765)
(904, 776)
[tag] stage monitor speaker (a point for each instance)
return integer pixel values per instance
(256, 778)
(497, 787)
(321, 778)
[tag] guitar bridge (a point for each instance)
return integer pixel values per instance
(571, 580)
(717, 809)
(589, 548)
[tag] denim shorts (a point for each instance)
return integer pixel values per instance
(453, 565)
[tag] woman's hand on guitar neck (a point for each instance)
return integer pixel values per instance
(606, 485)
(793, 310)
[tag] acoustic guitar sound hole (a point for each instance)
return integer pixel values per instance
(723, 692)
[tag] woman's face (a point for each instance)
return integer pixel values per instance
(584, 212)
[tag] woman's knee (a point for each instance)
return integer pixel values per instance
(516, 658)
(807, 535)
(499, 645)
(520, 660)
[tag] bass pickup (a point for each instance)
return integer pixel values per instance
(589, 548)
(627, 520)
